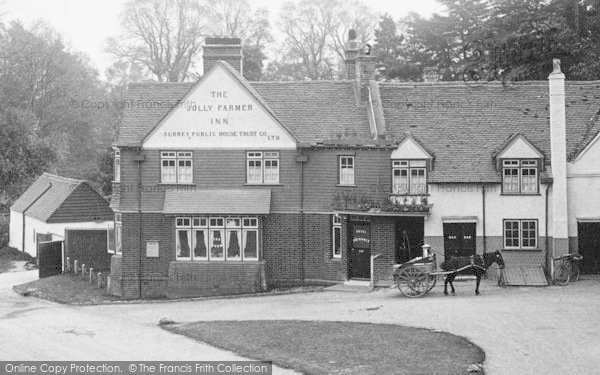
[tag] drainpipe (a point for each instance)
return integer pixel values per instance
(549, 265)
(23, 215)
(302, 159)
(483, 220)
(139, 158)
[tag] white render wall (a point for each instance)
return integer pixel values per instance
(56, 229)
(463, 200)
(583, 179)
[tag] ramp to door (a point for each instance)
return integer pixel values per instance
(523, 275)
(50, 258)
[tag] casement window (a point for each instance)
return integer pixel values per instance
(262, 167)
(176, 167)
(336, 236)
(110, 239)
(520, 176)
(117, 166)
(346, 170)
(520, 234)
(409, 176)
(216, 238)
(118, 234)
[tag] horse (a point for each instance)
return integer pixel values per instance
(479, 266)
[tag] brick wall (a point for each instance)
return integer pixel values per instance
(115, 275)
(281, 249)
(214, 278)
(87, 247)
(319, 263)
(383, 241)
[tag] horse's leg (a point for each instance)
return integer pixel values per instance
(446, 284)
(451, 282)
(478, 275)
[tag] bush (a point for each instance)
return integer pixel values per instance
(11, 254)
(4, 229)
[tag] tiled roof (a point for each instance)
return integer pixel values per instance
(48, 194)
(465, 125)
(250, 202)
(310, 110)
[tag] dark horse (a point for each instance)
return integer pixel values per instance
(478, 266)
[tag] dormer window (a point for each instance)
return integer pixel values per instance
(520, 176)
(409, 177)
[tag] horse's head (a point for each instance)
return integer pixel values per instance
(497, 257)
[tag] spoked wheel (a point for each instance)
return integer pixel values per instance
(432, 281)
(413, 282)
(561, 274)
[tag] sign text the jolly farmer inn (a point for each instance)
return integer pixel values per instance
(219, 112)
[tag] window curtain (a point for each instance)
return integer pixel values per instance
(250, 250)
(200, 249)
(216, 249)
(184, 245)
(233, 250)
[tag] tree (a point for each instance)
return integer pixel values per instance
(163, 36)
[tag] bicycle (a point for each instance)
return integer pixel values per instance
(567, 268)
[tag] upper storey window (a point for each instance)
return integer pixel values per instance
(346, 170)
(409, 176)
(520, 176)
(176, 167)
(262, 167)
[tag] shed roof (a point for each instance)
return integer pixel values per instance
(53, 198)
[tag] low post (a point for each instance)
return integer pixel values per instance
(108, 284)
(82, 271)
(372, 269)
(91, 273)
(75, 267)
(99, 280)
(68, 264)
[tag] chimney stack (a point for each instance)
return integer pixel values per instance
(558, 143)
(431, 74)
(360, 64)
(228, 50)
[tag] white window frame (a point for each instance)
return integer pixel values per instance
(177, 170)
(268, 170)
(336, 226)
(109, 244)
(521, 231)
(407, 167)
(346, 169)
(520, 166)
(225, 225)
(117, 166)
(118, 234)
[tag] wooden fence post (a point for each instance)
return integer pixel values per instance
(75, 267)
(68, 264)
(108, 284)
(91, 273)
(99, 280)
(83, 271)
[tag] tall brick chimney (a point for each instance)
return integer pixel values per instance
(360, 64)
(225, 49)
(558, 144)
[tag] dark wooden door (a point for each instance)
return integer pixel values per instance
(50, 258)
(589, 246)
(359, 249)
(459, 239)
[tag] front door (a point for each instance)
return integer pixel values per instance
(459, 239)
(589, 246)
(359, 249)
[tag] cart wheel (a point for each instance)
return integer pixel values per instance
(432, 281)
(561, 274)
(412, 282)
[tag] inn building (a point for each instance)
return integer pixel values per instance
(227, 186)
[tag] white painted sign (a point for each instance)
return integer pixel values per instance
(219, 113)
(152, 249)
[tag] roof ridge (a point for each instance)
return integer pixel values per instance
(62, 178)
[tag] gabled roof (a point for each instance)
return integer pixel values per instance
(464, 125)
(53, 198)
(310, 110)
(408, 137)
(512, 140)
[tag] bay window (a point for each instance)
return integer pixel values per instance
(176, 167)
(520, 234)
(520, 176)
(216, 238)
(409, 177)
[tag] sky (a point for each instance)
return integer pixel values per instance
(85, 24)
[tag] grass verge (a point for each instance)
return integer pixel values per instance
(65, 289)
(318, 347)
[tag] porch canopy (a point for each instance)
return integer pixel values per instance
(232, 202)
